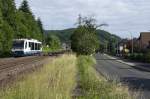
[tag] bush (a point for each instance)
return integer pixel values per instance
(136, 56)
(147, 56)
(84, 41)
(53, 43)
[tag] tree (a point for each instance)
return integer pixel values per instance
(8, 25)
(147, 56)
(25, 7)
(53, 42)
(84, 40)
(7, 36)
(22, 30)
(8, 12)
(17, 23)
(1, 20)
(29, 21)
(40, 25)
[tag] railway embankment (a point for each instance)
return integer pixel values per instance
(13, 68)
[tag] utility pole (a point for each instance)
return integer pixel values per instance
(132, 43)
(117, 47)
(106, 47)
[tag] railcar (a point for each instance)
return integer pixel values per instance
(26, 47)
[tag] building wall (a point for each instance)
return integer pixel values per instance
(144, 40)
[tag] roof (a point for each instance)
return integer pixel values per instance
(144, 35)
(33, 40)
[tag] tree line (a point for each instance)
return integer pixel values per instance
(17, 23)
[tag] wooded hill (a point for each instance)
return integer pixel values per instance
(64, 35)
(17, 23)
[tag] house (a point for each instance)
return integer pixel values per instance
(66, 46)
(144, 40)
(136, 44)
(123, 46)
(128, 45)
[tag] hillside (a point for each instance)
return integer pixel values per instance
(64, 35)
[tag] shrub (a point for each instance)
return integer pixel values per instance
(84, 42)
(147, 56)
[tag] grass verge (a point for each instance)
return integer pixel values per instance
(57, 80)
(48, 49)
(94, 86)
(54, 81)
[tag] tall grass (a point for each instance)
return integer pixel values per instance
(57, 80)
(94, 86)
(54, 81)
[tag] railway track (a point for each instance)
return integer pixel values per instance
(5, 66)
(11, 69)
(11, 63)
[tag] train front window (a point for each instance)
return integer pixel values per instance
(18, 44)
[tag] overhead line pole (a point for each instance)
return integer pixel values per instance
(132, 43)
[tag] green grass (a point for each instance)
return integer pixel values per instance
(58, 79)
(48, 49)
(94, 86)
(55, 81)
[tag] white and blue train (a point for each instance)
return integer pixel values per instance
(26, 47)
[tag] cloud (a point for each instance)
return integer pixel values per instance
(123, 16)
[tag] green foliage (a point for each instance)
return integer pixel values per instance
(65, 35)
(7, 24)
(6, 39)
(94, 86)
(33, 28)
(1, 20)
(15, 24)
(8, 12)
(40, 25)
(55, 80)
(147, 56)
(22, 30)
(53, 42)
(136, 56)
(25, 7)
(39, 22)
(84, 41)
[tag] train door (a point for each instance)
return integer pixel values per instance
(26, 48)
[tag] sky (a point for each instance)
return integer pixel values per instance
(125, 17)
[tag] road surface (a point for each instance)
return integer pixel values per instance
(136, 79)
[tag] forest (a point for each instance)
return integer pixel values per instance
(17, 23)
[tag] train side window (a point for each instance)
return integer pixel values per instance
(36, 46)
(26, 45)
(39, 46)
(32, 46)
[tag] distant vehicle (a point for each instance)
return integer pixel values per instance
(26, 47)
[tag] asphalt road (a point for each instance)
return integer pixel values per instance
(137, 80)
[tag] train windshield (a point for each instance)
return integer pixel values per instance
(18, 44)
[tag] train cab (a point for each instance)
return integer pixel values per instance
(26, 47)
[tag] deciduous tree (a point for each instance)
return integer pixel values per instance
(84, 40)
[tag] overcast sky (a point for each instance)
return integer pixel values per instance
(123, 16)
